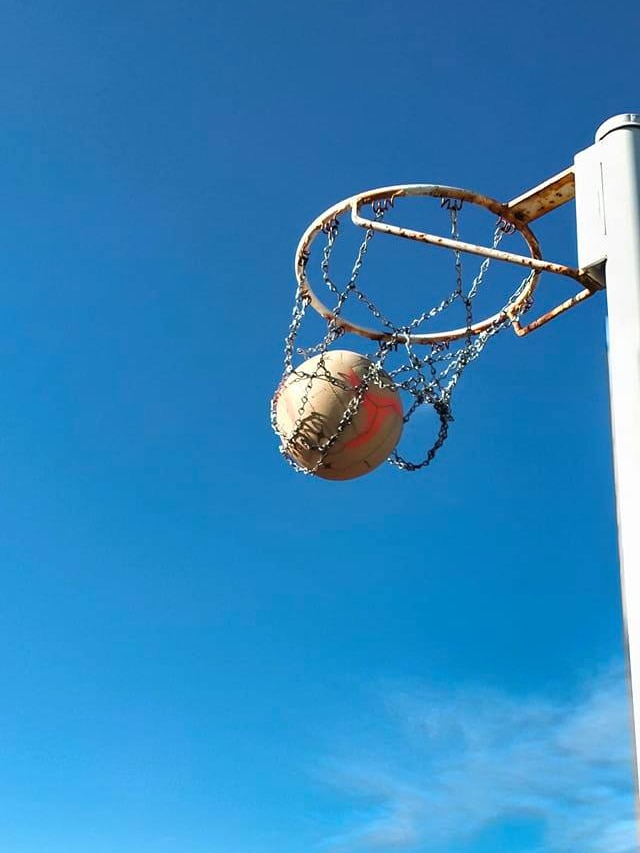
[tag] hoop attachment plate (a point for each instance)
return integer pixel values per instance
(512, 214)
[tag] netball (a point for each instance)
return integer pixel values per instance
(338, 416)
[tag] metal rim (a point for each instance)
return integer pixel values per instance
(354, 203)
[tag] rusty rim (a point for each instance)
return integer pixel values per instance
(354, 203)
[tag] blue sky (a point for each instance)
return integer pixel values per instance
(203, 652)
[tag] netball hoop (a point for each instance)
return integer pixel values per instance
(512, 217)
(424, 362)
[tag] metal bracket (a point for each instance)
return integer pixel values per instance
(537, 202)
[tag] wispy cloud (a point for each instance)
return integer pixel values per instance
(441, 767)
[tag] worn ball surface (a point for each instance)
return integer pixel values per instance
(310, 405)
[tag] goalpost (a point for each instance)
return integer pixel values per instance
(608, 221)
(604, 180)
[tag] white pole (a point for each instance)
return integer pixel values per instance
(618, 144)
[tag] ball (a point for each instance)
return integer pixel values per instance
(338, 415)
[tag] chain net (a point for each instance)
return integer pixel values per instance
(428, 373)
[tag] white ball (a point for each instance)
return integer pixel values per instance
(310, 405)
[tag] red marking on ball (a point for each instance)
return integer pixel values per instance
(376, 405)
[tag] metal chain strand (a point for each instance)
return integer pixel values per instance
(299, 307)
(425, 379)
